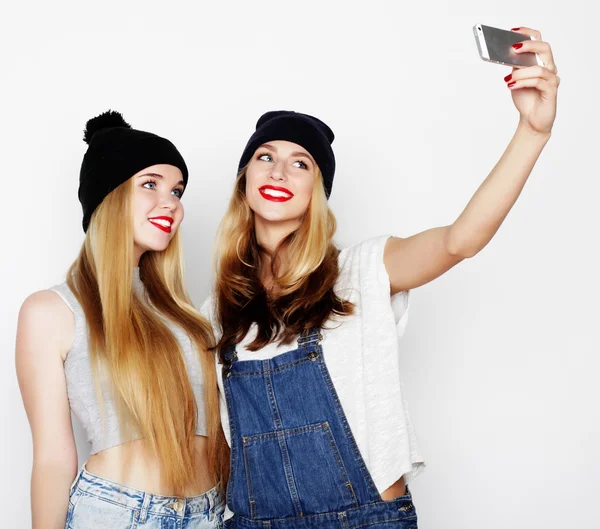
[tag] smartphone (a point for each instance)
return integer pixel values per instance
(495, 45)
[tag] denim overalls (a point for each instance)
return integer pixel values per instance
(294, 460)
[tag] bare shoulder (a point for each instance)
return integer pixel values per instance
(45, 333)
(45, 319)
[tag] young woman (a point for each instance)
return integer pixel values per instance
(120, 345)
(312, 405)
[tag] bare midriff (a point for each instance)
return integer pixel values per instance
(131, 465)
(396, 490)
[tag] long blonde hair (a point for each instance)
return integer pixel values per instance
(304, 297)
(130, 342)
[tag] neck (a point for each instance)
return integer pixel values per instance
(137, 254)
(138, 285)
(270, 234)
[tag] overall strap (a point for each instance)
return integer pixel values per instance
(312, 336)
(230, 355)
(230, 358)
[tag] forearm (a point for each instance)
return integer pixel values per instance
(50, 485)
(492, 202)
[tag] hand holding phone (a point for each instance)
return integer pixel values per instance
(496, 45)
(533, 82)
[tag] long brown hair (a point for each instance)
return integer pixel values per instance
(304, 268)
(130, 342)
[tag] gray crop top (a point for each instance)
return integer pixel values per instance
(102, 426)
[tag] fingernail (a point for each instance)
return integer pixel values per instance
(515, 29)
(512, 84)
(518, 46)
(508, 77)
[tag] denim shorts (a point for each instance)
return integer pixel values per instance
(96, 503)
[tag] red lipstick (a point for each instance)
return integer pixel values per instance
(276, 194)
(162, 223)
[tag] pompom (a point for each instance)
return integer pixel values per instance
(106, 120)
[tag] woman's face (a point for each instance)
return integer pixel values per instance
(279, 182)
(157, 208)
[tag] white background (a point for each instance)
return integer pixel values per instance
(500, 359)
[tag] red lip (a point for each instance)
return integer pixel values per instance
(166, 229)
(276, 199)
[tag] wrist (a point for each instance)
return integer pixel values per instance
(526, 130)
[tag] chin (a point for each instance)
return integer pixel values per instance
(156, 246)
(276, 216)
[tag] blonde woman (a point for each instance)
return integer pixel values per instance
(120, 345)
(308, 335)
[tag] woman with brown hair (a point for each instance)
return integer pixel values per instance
(311, 403)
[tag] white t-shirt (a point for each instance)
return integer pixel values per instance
(361, 352)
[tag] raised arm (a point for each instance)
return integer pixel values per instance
(45, 332)
(417, 260)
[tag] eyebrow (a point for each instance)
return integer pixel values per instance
(305, 154)
(267, 146)
(156, 175)
(295, 153)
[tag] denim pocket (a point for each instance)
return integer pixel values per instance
(92, 512)
(74, 495)
(398, 523)
(304, 462)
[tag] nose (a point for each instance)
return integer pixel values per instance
(169, 202)
(278, 172)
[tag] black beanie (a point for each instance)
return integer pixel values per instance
(116, 152)
(309, 132)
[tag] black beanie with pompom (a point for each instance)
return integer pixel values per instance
(115, 153)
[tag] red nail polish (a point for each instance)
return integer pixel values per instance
(508, 77)
(512, 84)
(518, 46)
(515, 29)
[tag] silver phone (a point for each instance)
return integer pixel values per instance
(495, 45)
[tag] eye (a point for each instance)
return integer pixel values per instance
(265, 157)
(300, 164)
(151, 184)
(177, 192)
